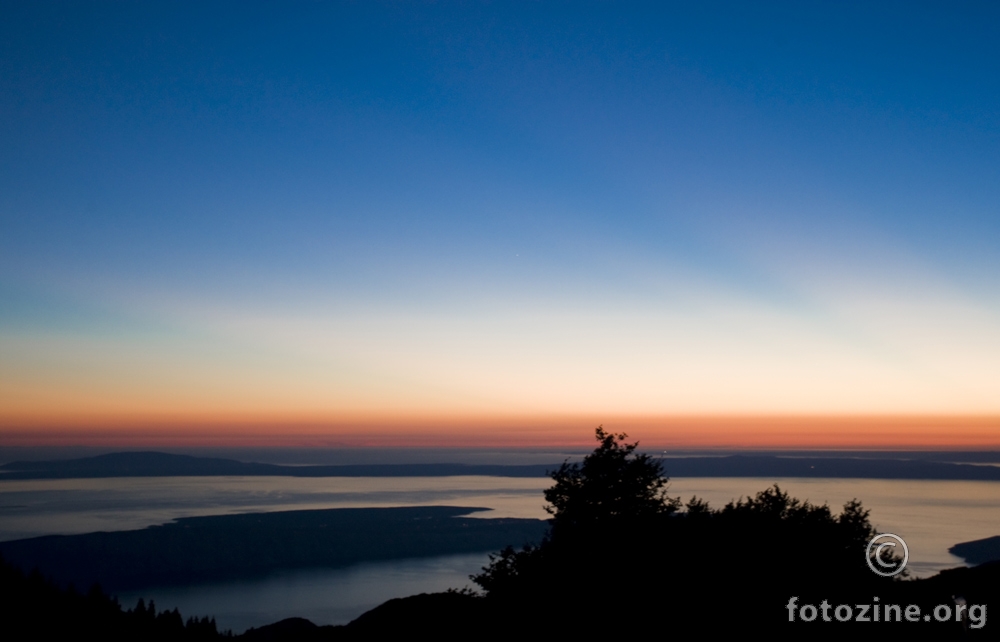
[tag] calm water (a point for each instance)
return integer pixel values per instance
(930, 515)
(42, 507)
(322, 596)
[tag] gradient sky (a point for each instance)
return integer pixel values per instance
(432, 219)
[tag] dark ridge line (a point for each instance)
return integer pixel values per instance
(158, 464)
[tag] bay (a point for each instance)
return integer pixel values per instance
(70, 506)
(931, 515)
(323, 596)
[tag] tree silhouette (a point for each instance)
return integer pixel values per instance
(619, 543)
(612, 487)
(614, 495)
(34, 608)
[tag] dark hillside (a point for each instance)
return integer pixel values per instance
(216, 548)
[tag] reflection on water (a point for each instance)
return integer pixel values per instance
(322, 596)
(68, 506)
(930, 515)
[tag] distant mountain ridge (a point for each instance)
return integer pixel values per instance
(159, 464)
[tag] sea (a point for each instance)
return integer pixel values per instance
(930, 515)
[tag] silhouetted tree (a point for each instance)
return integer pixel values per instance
(613, 487)
(33, 608)
(608, 511)
(619, 543)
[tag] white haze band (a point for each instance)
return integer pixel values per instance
(975, 613)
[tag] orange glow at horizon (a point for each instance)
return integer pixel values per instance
(562, 431)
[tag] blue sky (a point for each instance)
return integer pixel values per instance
(647, 208)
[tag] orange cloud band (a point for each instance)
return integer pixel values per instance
(683, 432)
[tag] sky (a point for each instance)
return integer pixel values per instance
(710, 224)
